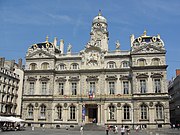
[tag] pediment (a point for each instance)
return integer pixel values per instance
(148, 49)
(111, 78)
(142, 75)
(44, 78)
(61, 79)
(40, 54)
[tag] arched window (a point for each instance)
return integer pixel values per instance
(44, 65)
(144, 112)
(156, 61)
(111, 112)
(59, 112)
(43, 111)
(62, 66)
(111, 64)
(126, 109)
(159, 111)
(74, 66)
(141, 62)
(125, 64)
(33, 66)
(30, 111)
(72, 112)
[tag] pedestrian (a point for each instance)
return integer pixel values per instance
(178, 126)
(137, 128)
(81, 130)
(107, 130)
(174, 126)
(115, 129)
(122, 130)
(32, 127)
(128, 130)
(43, 126)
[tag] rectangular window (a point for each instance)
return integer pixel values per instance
(43, 112)
(143, 86)
(126, 87)
(74, 88)
(159, 112)
(30, 112)
(157, 85)
(72, 113)
(126, 112)
(61, 88)
(111, 88)
(143, 113)
(31, 88)
(92, 87)
(44, 88)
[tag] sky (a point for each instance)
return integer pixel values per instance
(26, 22)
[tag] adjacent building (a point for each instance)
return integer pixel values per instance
(121, 87)
(174, 104)
(11, 87)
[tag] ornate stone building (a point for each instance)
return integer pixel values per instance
(174, 103)
(11, 85)
(96, 84)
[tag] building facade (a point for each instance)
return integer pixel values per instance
(174, 104)
(96, 84)
(11, 85)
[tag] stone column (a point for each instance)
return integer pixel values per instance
(99, 114)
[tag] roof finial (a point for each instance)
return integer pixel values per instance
(145, 32)
(99, 14)
(47, 38)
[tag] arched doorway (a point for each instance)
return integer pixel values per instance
(92, 113)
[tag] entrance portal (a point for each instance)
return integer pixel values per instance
(92, 113)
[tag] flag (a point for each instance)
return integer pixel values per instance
(91, 94)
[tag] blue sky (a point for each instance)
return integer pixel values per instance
(25, 22)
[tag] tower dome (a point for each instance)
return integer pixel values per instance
(99, 18)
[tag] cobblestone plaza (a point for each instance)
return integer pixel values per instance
(40, 131)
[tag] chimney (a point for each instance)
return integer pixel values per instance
(177, 72)
(12, 64)
(2, 60)
(61, 47)
(20, 63)
(55, 41)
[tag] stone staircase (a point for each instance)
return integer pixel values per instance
(93, 127)
(89, 127)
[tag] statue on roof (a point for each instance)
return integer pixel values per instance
(69, 48)
(117, 45)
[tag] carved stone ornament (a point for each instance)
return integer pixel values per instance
(118, 104)
(36, 104)
(151, 104)
(65, 105)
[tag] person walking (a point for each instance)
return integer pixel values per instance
(107, 130)
(122, 130)
(81, 130)
(128, 130)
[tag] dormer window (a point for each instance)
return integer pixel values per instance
(44, 66)
(62, 66)
(156, 61)
(141, 62)
(74, 66)
(125, 64)
(33, 66)
(111, 65)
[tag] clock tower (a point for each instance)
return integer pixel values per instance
(99, 32)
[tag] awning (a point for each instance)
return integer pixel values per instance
(10, 119)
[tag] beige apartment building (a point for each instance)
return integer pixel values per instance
(11, 87)
(118, 87)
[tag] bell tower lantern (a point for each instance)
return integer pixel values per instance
(99, 32)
